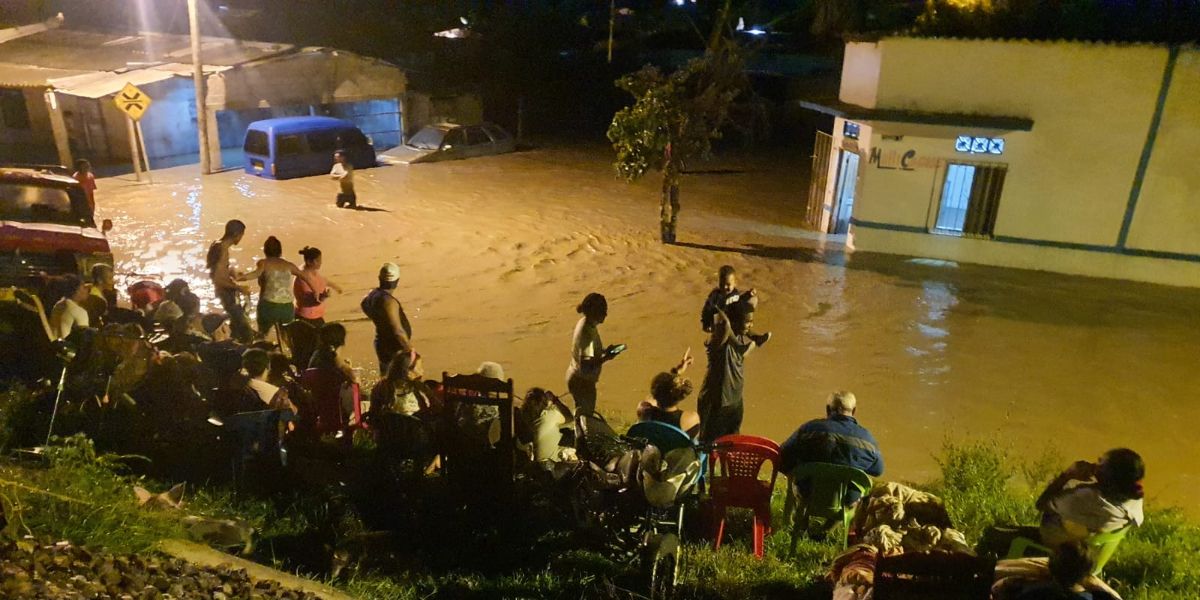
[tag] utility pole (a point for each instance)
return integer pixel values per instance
(612, 24)
(201, 88)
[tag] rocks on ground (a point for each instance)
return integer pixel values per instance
(65, 571)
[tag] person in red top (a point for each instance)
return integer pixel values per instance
(83, 174)
(310, 300)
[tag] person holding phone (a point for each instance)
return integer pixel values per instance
(588, 353)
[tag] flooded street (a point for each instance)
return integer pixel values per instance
(496, 252)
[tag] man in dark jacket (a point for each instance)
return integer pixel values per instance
(837, 439)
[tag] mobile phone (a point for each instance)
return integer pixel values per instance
(617, 349)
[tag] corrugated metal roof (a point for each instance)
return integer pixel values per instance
(28, 76)
(90, 51)
(102, 83)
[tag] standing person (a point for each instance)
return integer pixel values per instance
(720, 401)
(87, 180)
(588, 353)
(393, 332)
(723, 295)
(224, 282)
(310, 299)
(343, 172)
(276, 305)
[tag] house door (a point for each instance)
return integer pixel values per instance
(822, 152)
(847, 179)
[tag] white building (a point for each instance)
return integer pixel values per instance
(1059, 156)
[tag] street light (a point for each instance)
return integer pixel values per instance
(199, 84)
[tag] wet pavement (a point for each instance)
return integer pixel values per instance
(496, 252)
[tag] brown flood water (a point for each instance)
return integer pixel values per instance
(496, 252)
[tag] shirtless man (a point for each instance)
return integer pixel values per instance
(393, 332)
(225, 282)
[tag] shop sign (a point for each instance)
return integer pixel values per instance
(903, 161)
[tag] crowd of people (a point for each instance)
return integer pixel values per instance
(260, 369)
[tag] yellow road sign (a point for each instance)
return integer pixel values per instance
(132, 101)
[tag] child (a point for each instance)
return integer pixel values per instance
(83, 174)
(343, 172)
(724, 294)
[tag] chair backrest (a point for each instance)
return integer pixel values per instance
(829, 483)
(664, 436)
(256, 432)
(738, 438)
(741, 457)
(325, 386)
(301, 339)
(402, 436)
(480, 390)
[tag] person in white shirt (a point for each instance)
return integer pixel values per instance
(257, 363)
(588, 353)
(343, 172)
(1090, 498)
(68, 313)
(543, 417)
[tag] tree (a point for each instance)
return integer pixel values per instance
(674, 119)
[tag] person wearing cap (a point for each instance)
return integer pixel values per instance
(720, 401)
(837, 439)
(393, 332)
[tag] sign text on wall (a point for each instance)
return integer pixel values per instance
(904, 161)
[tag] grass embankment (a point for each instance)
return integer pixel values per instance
(84, 497)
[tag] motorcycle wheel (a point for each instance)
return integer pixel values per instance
(660, 565)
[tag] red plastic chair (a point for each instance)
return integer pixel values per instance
(734, 483)
(326, 415)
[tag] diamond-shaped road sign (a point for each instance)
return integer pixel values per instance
(132, 101)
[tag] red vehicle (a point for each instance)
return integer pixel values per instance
(47, 228)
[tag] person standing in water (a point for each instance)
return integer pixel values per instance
(720, 402)
(393, 332)
(343, 172)
(276, 305)
(310, 299)
(588, 353)
(87, 180)
(224, 282)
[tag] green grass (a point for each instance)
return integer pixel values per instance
(87, 497)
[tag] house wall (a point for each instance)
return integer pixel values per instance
(1068, 186)
(34, 144)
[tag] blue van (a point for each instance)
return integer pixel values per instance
(288, 147)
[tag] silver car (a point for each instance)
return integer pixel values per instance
(450, 141)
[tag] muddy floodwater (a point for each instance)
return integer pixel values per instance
(496, 252)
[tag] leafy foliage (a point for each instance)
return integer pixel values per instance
(683, 111)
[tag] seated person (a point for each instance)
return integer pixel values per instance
(256, 363)
(480, 423)
(221, 355)
(68, 313)
(402, 390)
(667, 390)
(542, 417)
(329, 352)
(1090, 498)
(1066, 577)
(837, 439)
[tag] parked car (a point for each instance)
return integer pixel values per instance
(288, 147)
(46, 227)
(450, 141)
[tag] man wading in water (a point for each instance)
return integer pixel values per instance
(225, 284)
(392, 329)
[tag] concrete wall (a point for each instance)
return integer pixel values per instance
(860, 74)
(1168, 211)
(1069, 180)
(421, 109)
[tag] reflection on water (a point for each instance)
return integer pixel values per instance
(495, 254)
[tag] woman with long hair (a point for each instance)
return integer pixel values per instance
(274, 275)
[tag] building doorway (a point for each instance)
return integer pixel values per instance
(844, 193)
